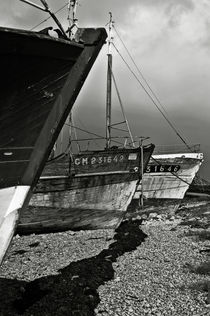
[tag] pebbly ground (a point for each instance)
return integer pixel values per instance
(158, 266)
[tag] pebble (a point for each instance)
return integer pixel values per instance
(138, 270)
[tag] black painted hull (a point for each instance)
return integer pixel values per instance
(40, 80)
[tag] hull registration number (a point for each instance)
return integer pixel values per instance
(162, 168)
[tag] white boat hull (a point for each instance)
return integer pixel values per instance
(170, 185)
(11, 201)
(159, 185)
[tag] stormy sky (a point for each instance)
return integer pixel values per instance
(169, 41)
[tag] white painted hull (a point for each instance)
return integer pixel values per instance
(165, 185)
(11, 201)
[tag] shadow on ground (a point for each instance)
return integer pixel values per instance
(200, 235)
(74, 290)
(202, 286)
(197, 215)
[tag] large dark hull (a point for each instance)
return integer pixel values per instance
(40, 80)
(95, 195)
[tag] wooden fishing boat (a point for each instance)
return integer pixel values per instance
(41, 77)
(89, 190)
(166, 180)
(94, 194)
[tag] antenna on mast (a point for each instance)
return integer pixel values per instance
(109, 84)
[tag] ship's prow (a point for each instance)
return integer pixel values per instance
(167, 178)
(40, 79)
(11, 201)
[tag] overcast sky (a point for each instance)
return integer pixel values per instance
(169, 41)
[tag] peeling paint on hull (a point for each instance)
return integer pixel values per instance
(97, 198)
(87, 208)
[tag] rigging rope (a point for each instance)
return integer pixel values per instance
(174, 174)
(152, 99)
(163, 111)
(49, 17)
(122, 108)
(139, 71)
(101, 137)
(82, 124)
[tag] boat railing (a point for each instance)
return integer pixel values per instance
(86, 144)
(177, 148)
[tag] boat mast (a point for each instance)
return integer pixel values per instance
(72, 28)
(73, 21)
(109, 85)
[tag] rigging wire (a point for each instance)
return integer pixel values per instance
(97, 135)
(82, 124)
(61, 8)
(71, 121)
(122, 109)
(139, 71)
(163, 111)
(152, 98)
(173, 173)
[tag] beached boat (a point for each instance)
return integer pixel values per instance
(94, 194)
(41, 77)
(89, 190)
(166, 180)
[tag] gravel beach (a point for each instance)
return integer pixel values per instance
(158, 266)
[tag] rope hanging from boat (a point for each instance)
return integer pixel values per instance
(174, 174)
(153, 97)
